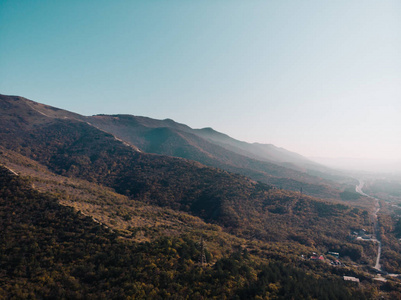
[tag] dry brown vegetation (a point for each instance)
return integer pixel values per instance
(140, 200)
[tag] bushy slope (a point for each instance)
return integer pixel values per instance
(90, 253)
(76, 149)
(48, 251)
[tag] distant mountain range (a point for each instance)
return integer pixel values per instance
(265, 163)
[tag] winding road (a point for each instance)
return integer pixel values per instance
(376, 209)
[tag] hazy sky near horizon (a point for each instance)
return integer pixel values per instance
(321, 78)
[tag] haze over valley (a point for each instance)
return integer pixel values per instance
(362, 165)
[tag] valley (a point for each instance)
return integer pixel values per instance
(89, 202)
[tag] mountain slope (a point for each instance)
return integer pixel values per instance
(74, 148)
(52, 252)
(214, 149)
(181, 141)
(264, 152)
(174, 139)
(78, 164)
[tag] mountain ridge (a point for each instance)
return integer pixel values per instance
(168, 137)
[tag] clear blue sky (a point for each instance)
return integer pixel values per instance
(322, 78)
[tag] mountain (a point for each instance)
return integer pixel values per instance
(135, 221)
(263, 152)
(69, 146)
(172, 139)
(264, 163)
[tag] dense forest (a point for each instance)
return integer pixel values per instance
(240, 205)
(48, 251)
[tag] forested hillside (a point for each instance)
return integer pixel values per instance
(75, 149)
(148, 212)
(50, 251)
(265, 163)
